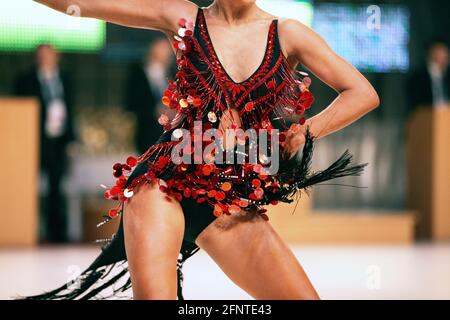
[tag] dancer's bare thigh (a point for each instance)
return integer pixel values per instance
(154, 229)
(253, 255)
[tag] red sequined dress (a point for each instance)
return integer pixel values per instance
(272, 100)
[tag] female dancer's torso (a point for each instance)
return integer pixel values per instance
(259, 92)
(250, 87)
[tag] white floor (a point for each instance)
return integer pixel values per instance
(338, 272)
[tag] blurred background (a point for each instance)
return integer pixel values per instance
(78, 95)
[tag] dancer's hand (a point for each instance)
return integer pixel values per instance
(295, 139)
(229, 122)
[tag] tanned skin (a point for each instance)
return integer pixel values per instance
(246, 248)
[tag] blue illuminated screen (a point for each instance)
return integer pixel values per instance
(372, 38)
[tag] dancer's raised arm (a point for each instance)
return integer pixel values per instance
(150, 14)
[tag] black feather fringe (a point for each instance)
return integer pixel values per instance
(99, 276)
(188, 250)
(112, 256)
(294, 174)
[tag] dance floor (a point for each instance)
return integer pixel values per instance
(338, 272)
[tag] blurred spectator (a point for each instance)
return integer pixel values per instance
(430, 86)
(45, 81)
(145, 87)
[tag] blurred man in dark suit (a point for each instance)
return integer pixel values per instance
(430, 86)
(145, 87)
(51, 87)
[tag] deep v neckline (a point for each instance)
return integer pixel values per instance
(216, 56)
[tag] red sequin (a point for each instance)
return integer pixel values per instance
(178, 196)
(207, 169)
(132, 161)
(114, 191)
(126, 167)
(117, 173)
(306, 99)
(113, 213)
(259, 193)
(162, 162)
(217, 210)
(256, 183)
(187, 193)
(220, 196)
(302, 120)
(121, 182)
(197, 102)
(212, 193)
(226, 186)
(271, 84)
(243, 204)
(249, 106)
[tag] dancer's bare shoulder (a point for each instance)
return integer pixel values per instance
(297, 38)
(303, 45)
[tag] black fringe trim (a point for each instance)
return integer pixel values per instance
(294, 173)
(298, 177)
(99, 275)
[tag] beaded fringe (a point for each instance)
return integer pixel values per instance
(110, 269)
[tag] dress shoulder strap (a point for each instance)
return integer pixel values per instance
(199, 15)
(276, 38)
(198, 22)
